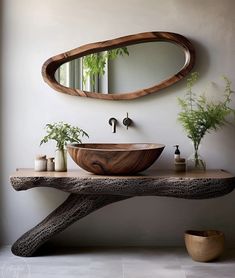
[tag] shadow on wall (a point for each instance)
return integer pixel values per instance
(202, 63)
(1, 92)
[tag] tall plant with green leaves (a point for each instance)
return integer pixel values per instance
(199, 115)
(63, 133)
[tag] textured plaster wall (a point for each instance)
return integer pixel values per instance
(33, 31)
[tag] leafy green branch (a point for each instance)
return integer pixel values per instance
(94, 64)
(200, 115)
(63, 133)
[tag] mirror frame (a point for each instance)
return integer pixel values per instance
(52, 64)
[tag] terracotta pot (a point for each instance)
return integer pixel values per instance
(204, 246)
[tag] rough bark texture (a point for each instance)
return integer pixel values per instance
(179, 187)
(75, 207)
(92, 193)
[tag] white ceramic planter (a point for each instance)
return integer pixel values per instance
(61, 160)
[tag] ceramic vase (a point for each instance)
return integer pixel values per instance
(61, 160)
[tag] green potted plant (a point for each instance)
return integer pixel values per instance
(62, 133)
(199, 115)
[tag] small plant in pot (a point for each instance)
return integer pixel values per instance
(62, 133)
(199, 116)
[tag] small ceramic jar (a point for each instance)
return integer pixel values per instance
(40, 163)
(50, 164)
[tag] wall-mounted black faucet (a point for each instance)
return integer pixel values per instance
(127, 121)
(113, 123)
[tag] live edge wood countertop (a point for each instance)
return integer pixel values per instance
(189, 185)
(90, 192)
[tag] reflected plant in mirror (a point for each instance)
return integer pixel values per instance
(200, 115)
(95, 66)
(89, 73)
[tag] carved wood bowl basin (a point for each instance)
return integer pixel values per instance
(115, 159)
(204, 246)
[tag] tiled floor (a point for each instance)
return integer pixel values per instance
(114, 263)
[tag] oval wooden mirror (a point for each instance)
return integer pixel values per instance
(124, 68)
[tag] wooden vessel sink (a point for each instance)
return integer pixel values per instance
(115, 159)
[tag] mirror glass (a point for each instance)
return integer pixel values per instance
(124, 69)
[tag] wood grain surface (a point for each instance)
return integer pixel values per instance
(115, 159)
(52, 64)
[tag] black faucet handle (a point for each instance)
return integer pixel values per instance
(127, 121)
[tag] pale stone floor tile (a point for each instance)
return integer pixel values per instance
(106, 270)
(148, 254)
(210, 272)
(152, 270)
(133, 262)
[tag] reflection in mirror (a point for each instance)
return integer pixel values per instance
(89, 73)
(114, 70)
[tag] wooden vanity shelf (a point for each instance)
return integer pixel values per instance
(90, 192)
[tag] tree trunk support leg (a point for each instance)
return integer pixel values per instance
(72, 209)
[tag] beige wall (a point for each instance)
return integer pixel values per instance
(34, 31)
(1, 116)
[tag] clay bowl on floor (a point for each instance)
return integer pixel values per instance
(204, 246)
(115, 159)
